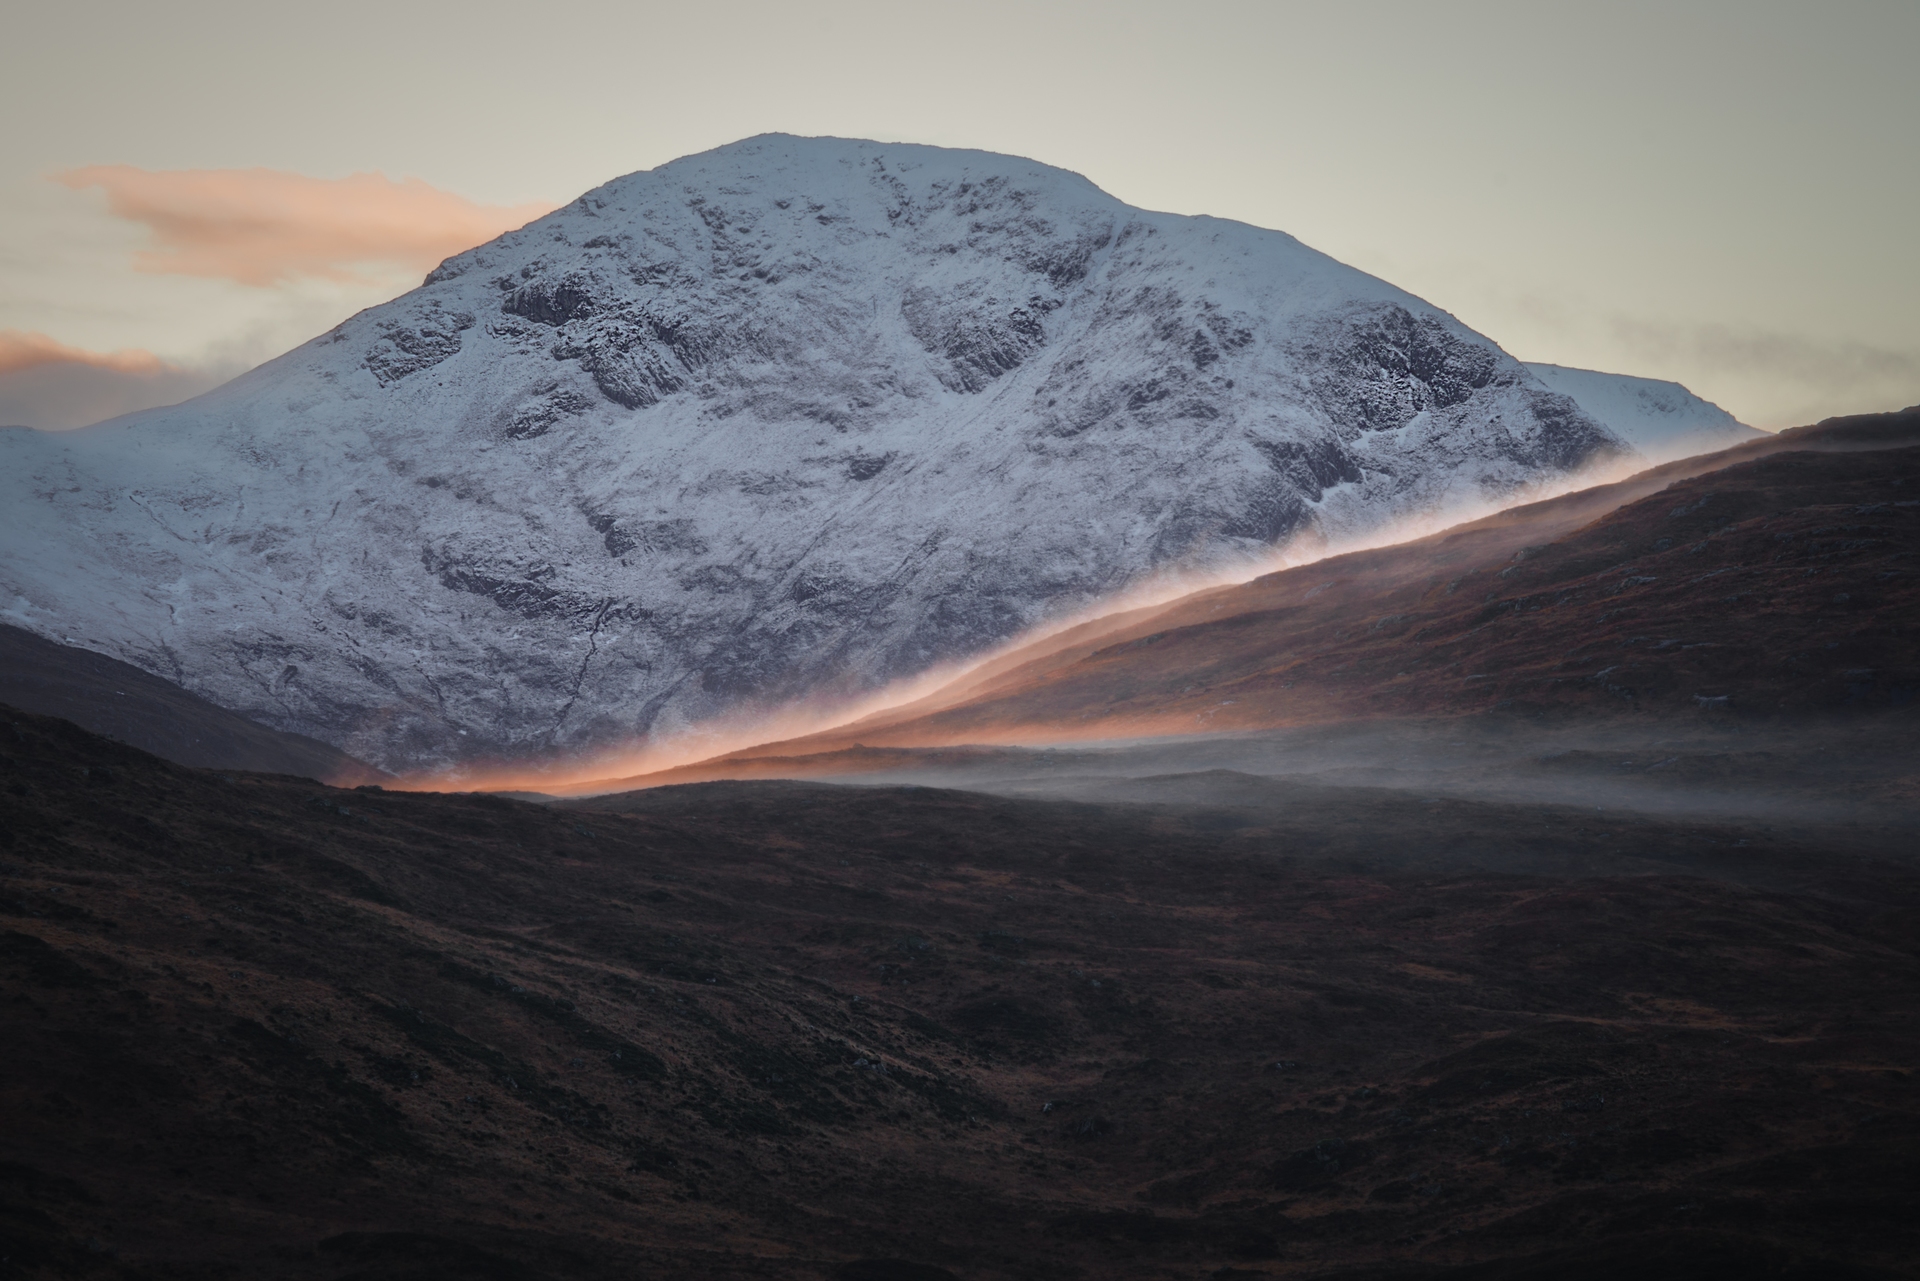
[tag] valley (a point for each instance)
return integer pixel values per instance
(783, 1029)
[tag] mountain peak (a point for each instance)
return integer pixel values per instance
(785, 420)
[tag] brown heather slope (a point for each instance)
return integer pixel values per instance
(1773, 582)
(155, 715)
(259, 1027)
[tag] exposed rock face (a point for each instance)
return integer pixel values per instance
(792, 417)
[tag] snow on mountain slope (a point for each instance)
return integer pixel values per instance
(792, 417)
(1662, 420)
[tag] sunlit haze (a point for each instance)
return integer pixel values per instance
(1715, 193)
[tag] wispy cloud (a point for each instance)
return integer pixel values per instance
(47, 384)
(1769, 378)
(22, 349)
(267, 227)
(1832, 366)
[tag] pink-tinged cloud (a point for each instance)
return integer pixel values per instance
(267, 227)
(21, 349)
(47, 384)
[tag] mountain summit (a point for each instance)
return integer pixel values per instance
(792, 417)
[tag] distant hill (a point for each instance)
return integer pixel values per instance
(1663, 420)
(146, 711)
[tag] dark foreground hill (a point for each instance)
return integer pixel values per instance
(259, 1027)
(119, 700)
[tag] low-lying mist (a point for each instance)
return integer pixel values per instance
(1807, 774)
(1445, 796)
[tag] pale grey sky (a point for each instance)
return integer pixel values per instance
(1721, 193)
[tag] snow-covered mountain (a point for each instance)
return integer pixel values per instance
(795, 416)
(1662, 420)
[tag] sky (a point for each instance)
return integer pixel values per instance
(1720, 192)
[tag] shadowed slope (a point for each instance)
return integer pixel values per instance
(262, 1027)
(113, 698)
